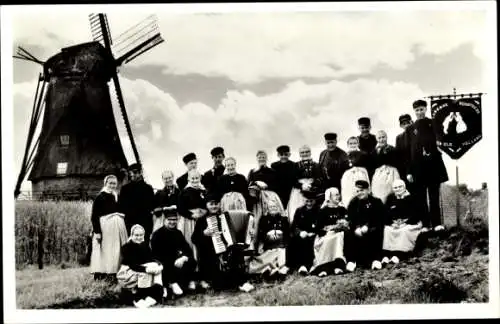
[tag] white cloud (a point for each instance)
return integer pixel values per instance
(249, 47)
(244, 122)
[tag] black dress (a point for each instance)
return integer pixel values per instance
(233, 183)
(330, 216)
(266, 175)
(285, 175)
(368, 248)
(300, 251)
(333, 165)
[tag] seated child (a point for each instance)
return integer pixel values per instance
(329, 243)
(402, 226)
(139, 271)
(273, 234)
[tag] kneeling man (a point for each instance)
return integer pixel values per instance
(170, 248)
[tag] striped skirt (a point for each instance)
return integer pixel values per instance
(349, 178)
(274, 259)
(128, 278)
(328, 248)
(106, 256)
(382, 181)
(402, 239)
(233, 201)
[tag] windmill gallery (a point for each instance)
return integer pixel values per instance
(78, 144)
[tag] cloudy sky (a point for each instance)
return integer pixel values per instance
(249, 81)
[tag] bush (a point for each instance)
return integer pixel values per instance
(61, 227)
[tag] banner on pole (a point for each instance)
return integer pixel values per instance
(457, 124)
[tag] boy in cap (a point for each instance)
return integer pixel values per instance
(136, 201)
(212, 176)
(285, 174)
(367, 141)
(402, 146)
(300, 251)
(333, 162)
(222, 270)
(191, 162)
(363, 241)
(170, 248)
(426, 170)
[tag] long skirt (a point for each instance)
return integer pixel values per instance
(349, 178)
(328, 249)
(297, 200)
(382, 181)
(106, 256)
(402, 239)
(186, 226)
(261, 207)
(274, 259)
(128, 278)
(233, 201)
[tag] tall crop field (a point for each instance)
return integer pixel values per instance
(60, 227)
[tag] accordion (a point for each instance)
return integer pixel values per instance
(234, 228)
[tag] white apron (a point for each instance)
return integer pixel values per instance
(382, 181)
(347, 184)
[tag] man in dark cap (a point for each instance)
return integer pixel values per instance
(211, 177)
(333, 162)
(367, 141)
(191, 162)
(300, 251)
(363, 241)
(170, 248)
(285, 174)
(136, 201)
(402, 146)
(425, 170)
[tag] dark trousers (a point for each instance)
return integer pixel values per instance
(224, 271)
(182, 276)
(431, 213)
(155, 292)
(365, 249)
(300, 252)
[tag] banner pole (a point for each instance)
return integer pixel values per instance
(457, 206)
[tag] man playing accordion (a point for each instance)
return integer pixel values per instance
(220, 248)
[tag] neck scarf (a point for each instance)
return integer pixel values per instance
(109, 191)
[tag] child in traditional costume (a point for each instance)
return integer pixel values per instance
(232, 187)
(170, 248)
(300, 251)
(307, 178)
(109, 231)
(363, 241)
(385, 163)
(221, 265)
(140, 272)
(403, 226)
(358, 162)
(165, 199)
(273, 233)
(329, 243)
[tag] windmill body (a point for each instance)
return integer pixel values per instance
(79, 143)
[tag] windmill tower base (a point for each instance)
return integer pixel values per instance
(67, 188)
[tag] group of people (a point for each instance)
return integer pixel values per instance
(360, 208)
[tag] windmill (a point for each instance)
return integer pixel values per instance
(78, 142)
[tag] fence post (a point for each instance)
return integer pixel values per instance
(41, 239)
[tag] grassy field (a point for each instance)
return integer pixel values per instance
(452, 268)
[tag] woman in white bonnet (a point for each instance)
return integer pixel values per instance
(403, 225)
(109, 232)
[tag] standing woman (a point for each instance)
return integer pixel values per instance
(165, 199)
(191, 206)
(232, 187)
(386, 172)
(109, 231)
(358, 162)
(262, 183)
(308, 178)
